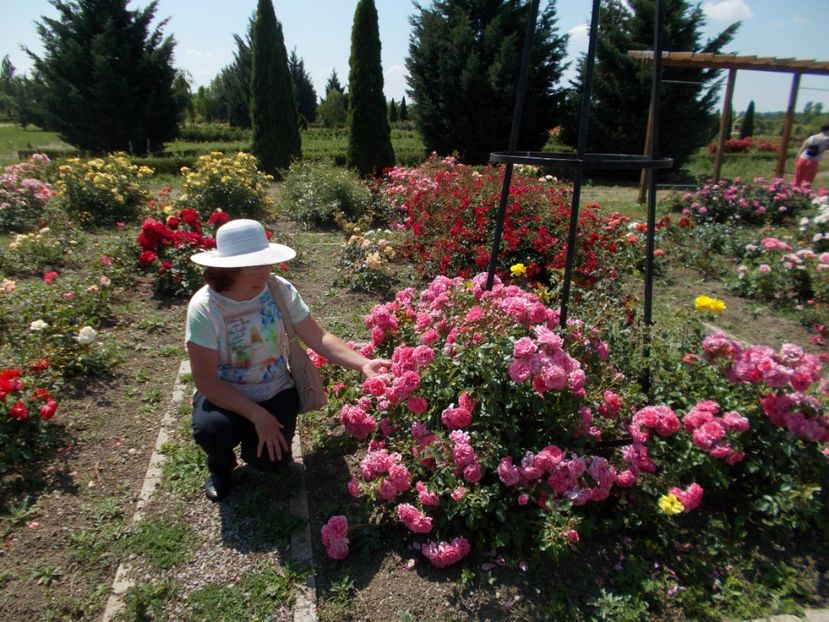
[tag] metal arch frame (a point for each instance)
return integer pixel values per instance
(582, 160)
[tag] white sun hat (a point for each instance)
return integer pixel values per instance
(241, 243)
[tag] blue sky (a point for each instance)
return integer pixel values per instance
(320, 30)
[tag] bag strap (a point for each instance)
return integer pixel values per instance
(273, 286)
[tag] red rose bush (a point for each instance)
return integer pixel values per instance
(25, 407)
(448, 210)
(167, 243)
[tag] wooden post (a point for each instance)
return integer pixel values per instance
(643, 178)
(787, 127)
(725, 122)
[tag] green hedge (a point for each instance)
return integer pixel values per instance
(213, 133)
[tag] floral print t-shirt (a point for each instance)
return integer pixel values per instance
(248, 335)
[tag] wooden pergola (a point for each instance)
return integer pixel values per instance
(733, 62)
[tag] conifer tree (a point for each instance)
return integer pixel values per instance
(106, 78)
(304, 93)
(334, 83)
(622, 85)
(464, 59)
(392, 111)
(403, 113)
(7, 80)
(276, 140)
(228, 96)
(747, 124)
(369, 136)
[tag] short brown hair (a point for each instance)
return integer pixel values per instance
(220, 279)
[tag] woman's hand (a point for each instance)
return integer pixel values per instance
(375, 367)
(269, 431)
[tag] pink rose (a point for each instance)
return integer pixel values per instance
(335, 537)
(442, 554)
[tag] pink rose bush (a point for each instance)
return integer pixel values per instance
(23, 195)
(496, 428)
(783, 270)
(756, 202)
(785, 377)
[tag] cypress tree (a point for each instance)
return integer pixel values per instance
(107, 78)
(276, 138)
(403, 113)
(392, 111)
(747, 125)
(369, 136)
(463, 60)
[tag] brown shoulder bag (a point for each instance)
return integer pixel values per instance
(307, 379)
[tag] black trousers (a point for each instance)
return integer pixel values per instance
(219, 430)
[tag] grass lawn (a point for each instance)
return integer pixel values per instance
(14, 138)
(317, 144)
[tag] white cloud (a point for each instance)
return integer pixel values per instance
(579, 34)
(394, 70)
(727, 10)
(197, 53)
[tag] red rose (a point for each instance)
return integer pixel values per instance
(18, 410)
(10, 382)
(48, 410)
(219, 218)
(172, 222)
(50, 277)
(146, 258)
(41, 365)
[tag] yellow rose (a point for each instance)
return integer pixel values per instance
(706, 303)
(518, 269)
(670, 505)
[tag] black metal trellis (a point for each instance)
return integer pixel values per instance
(581, 160)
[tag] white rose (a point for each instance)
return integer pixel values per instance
(87, 335)
(38, 325)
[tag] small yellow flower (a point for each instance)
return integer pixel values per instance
(518, 269)
(670, 505)
(706, 303)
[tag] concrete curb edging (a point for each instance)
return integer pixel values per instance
(301, 549)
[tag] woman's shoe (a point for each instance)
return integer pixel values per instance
(218, 486)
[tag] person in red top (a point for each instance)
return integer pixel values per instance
(809, 156)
